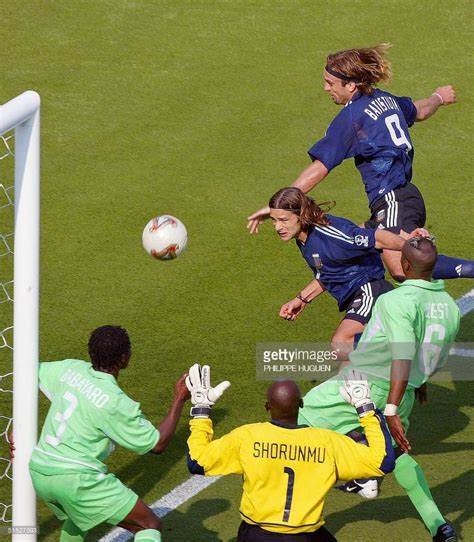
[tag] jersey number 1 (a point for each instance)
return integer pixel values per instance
(289, 492)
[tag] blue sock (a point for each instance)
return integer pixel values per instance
(453, 268)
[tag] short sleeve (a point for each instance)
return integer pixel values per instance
(355, 241)
(127, 426)
(338, 144)
(364, 239)
(48, 375)
(408, 109)
(397, 319)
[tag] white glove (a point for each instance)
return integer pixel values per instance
(203, 396)
(355, 390)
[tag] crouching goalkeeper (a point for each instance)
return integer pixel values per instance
(287, 468)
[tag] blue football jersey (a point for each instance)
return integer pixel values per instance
(342, 257)
(374, 131)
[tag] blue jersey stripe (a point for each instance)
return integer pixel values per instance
(334, 235)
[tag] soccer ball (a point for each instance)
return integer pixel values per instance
(164, 237)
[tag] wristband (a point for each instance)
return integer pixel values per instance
(390, 410)
(439, 96)
(363, 409)
(200, 411)
(305, 301)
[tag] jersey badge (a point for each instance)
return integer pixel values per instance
(361, 240)
(317, 261)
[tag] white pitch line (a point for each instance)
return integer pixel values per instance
(462, 352)
(176, 497)
(185, 491)
(466, 302)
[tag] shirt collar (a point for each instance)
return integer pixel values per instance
(356, 96)
(287, 425)
(425, 284)
(101, 375)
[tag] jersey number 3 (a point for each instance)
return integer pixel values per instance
(62, 417)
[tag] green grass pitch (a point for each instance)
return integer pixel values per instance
(203, 109)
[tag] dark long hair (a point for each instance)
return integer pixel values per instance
(294, 200)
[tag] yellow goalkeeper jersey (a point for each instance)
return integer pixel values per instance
(288, 470)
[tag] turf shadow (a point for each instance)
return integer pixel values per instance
(449, 496)
(441, 418)
(189, 526)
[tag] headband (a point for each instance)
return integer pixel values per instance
(340, 75)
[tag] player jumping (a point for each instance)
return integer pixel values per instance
(372, 128)
(344, 258)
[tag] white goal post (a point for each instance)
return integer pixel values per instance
(22, 115)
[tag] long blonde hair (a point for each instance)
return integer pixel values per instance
(365, 67)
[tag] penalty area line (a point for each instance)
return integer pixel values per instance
(194, 485)
(169, 502)
(466, 302)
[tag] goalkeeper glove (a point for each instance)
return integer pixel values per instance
(355, 390)
(203, 396)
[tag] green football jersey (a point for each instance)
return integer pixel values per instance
(418, 321)
(89, 413)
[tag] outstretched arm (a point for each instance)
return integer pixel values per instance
(306, 181)
(292, 309)
(388, 240)
(399, 375)
(168, 426)
(311, 176)
(212, 457)
(427, 107)
(207, 456)
(355, 460)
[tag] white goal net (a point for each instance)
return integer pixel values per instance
(6, 321)
(19, 295)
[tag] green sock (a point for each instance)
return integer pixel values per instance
(148, 535)
(72, 533)
(410, 476)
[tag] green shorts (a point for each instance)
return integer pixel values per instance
(86, 499)
(324, 407)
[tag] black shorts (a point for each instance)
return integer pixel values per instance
(253, 533)
(400, 209)
(360, 307)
